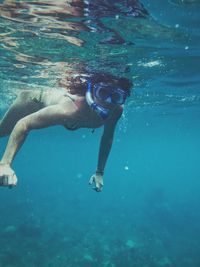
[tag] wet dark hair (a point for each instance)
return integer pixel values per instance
(77, 84)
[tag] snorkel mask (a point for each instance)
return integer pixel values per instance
(105, 93)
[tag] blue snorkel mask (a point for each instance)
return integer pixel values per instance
(105, 93)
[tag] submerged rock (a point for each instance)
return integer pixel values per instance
(131, 244)
(10, 229)
(88, 257)
(165, 262)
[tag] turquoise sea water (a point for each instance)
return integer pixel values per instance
(148, 213)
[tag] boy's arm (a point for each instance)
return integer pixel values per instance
(49, 116)
(105, 147)
(107, 140)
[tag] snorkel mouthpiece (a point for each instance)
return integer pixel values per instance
(103, 112)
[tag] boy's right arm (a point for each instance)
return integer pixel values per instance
(48, 116)
(43, 118)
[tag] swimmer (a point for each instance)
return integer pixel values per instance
(88, 101)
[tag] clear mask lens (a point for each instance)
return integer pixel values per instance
(103, 93)
(109, 94)
(117, 98)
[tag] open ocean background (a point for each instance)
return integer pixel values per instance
(148, 214)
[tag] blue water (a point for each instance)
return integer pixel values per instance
(148, 213)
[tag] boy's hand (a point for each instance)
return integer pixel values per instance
(97, 181)
(7, 176)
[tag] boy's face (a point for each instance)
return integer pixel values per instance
(108, 95)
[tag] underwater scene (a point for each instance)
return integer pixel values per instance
(148, 213)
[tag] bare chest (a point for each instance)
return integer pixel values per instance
(87, 117)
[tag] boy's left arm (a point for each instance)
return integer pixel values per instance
(105, 147)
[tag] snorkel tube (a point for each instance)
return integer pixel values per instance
(101, 111)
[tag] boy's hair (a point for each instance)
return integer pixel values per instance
(77, 84)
